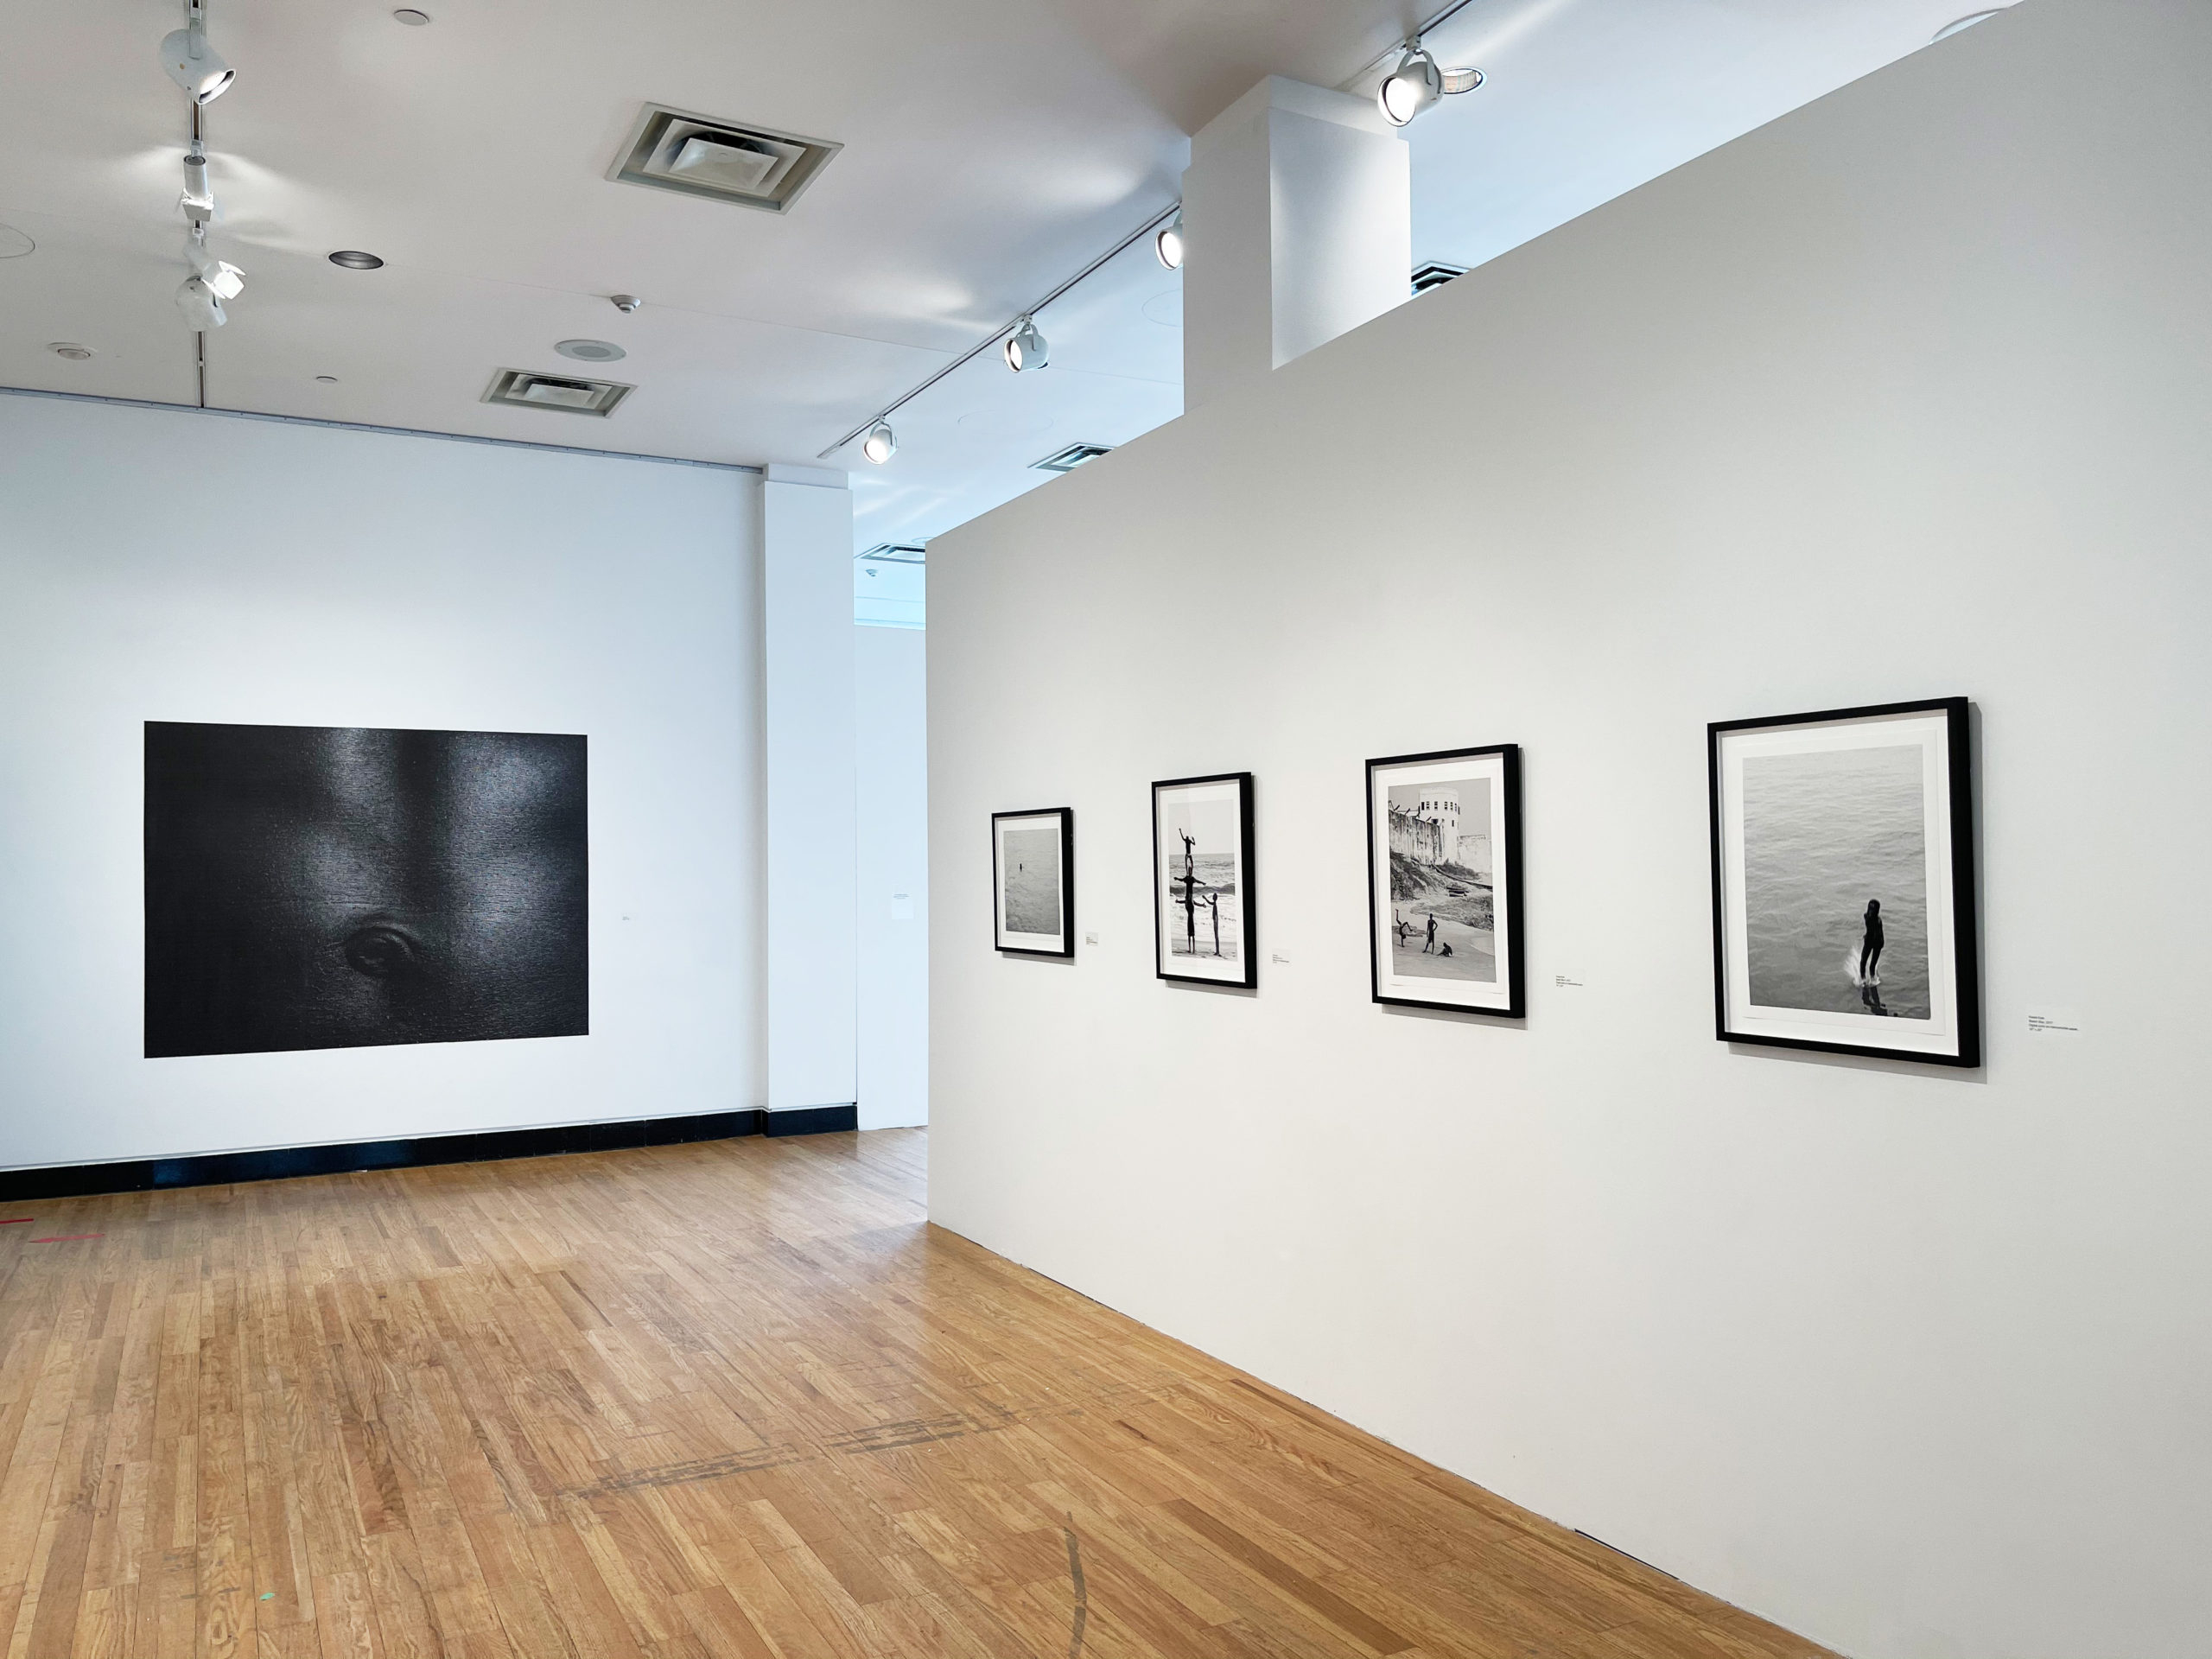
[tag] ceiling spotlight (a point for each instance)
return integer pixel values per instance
(199, 197)
(70, 349)
(1966, 22)
(627, 304)
(354, 259)
(223, 278)
(881, 444)
(1026, 348)
(192, 64)
(1168, 244)
(202, 307)
(1418, 82)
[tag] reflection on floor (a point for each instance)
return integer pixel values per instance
(727, 1399)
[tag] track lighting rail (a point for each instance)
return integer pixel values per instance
(1007, 328)
(882, 416)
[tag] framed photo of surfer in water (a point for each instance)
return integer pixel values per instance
(1032, 879)
(1202, 880)
(1444, 879)
(1843, 888)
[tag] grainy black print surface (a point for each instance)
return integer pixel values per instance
(338, 887)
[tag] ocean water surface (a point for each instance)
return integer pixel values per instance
(1823, 832)
(1031, 866)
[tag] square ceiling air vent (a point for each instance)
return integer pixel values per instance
(1435, 275)
(894, 553)
(1067, 460)
(699, 155)
(524, 390)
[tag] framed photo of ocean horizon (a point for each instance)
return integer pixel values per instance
(1201, 880)
(1032, 882)
(1843, 884)
(1444, 880)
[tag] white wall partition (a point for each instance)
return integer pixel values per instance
(1903, 396)
(890, 671)
(813, 987)
(171, 565)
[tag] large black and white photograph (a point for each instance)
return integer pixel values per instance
(1444, 879)
(1843, 882)
(339, 887)
(1033, 870)
(1202, 878)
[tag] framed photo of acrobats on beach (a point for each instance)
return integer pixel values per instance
(1444, 880)
(1843, 901)
(1202, 880)
(1032, 882)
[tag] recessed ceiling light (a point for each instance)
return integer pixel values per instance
(326, 379)
(411, 18)
(354, 259)
(70, 349)
(591, 351)
(14, 245)
(1966, 22)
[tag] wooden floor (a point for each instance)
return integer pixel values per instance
(734, 1399)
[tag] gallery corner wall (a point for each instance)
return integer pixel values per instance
(1904, 395)
(171, 565)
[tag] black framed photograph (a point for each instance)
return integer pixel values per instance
(1444, 879)
(1202, 880)
(1032, 877)
(1843, 900)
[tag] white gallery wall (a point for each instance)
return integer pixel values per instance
(891, 769)
(175, 566)
(1906, 395)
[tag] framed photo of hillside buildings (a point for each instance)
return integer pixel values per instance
(1202, 880)
(1032, 882)
(1444, 879)
(1843, 888)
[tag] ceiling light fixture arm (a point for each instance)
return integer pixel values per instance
(1006, 329)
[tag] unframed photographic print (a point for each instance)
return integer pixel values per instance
(1443, 879)
(314, 886)
(1033, 856)
(1844, 881)
(1202, 864)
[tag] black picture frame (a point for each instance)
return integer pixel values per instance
(1508, 997)
(1247, 934)
(1025, 944)
(1951, 1034)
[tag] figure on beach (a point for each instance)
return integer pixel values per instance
(1870, 953)
(1431, 945)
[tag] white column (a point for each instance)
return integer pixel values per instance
(1298, 215)
(813, 916)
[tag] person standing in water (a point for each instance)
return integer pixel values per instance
(1870, 953)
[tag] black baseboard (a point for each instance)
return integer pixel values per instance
(280, 1163)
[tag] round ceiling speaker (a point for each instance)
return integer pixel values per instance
(591, 351)
(354, 259)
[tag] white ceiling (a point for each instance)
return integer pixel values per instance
(992, 149)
